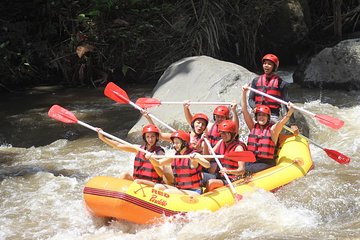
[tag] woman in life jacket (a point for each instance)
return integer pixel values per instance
(263, 135)
(199, 122)
(186, 171)
(143, 171)
(229, 143)
(271, 84)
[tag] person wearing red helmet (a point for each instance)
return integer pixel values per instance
(228, 143)
(198, 124)
(143, 169)
(220, 113)
(271, 84)
(263, 135)
(187, 172)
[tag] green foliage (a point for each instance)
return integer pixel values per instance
(91, 42)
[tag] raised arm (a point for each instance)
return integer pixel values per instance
(285, 96)
(148, 118)
(247, 117)
(163, 136)
(187, 112)
(252, 103)
(235, 116)
(277, 127)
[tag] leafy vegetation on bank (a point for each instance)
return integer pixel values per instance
(91, 42)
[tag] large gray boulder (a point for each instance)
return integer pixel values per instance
(334, 68)
(199, 78)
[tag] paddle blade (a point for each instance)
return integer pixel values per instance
(116, 93)
(339, 157)
(62, 114)
(148, 102)
(238, 197)
(329, 121)
(243, 156)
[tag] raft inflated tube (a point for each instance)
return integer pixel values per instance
(139, 203)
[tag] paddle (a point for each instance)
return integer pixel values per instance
(244, 156)
(153, 102)
(117, 94)
(64, 115)
(61, 114)
(322, 118)
(339, 157)
(237, 196)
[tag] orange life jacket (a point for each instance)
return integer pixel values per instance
(143, 169)
(214, 135)
(271, 88)
(261, 144)
(185, 176)
(226, 163)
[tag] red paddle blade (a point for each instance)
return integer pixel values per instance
(115, 93)
(243, 156)
(339, 157)
(61, 114)
(148, 102)
(329, 121)
(238, 197)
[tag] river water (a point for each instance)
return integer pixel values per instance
(44, 165)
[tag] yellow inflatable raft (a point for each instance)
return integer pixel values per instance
(138, 203)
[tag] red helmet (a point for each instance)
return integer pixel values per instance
(273, 58)
(182, 135)
(222, 111)
(262, 109)
(227, 126)
(199, 116)
(150, 128)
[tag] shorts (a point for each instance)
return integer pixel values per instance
(206, 177)
(199, 191)
(257, 166)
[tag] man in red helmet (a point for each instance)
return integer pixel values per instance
(263, 135)
(143, 171)
(271, 84)
(198, 124)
